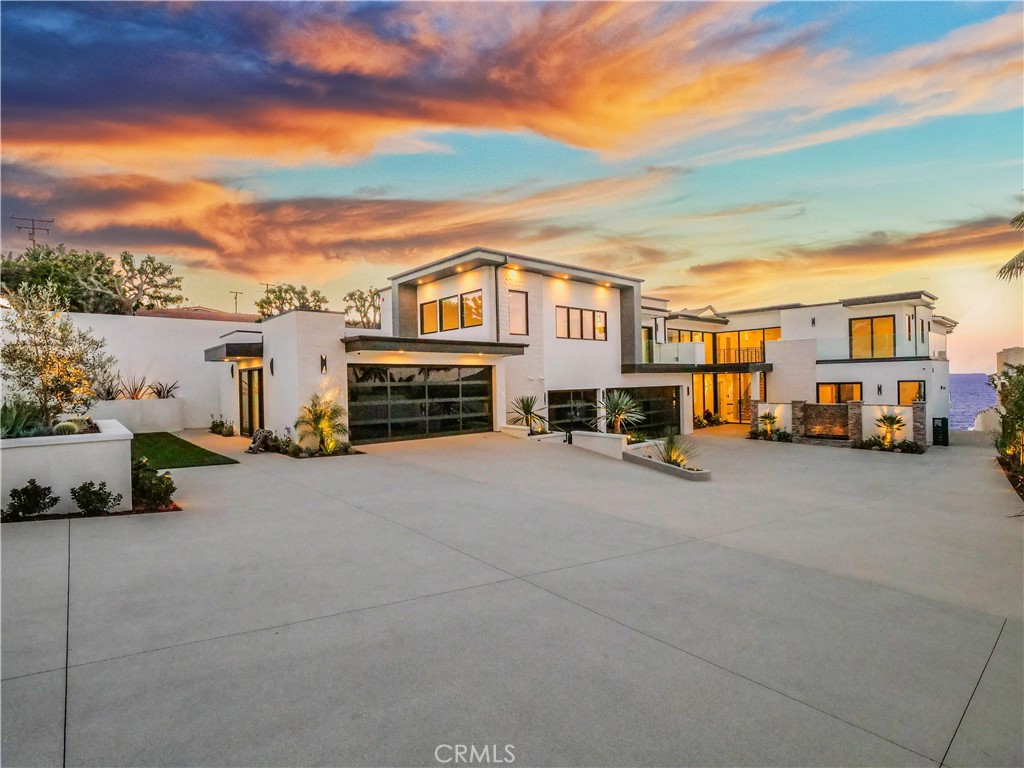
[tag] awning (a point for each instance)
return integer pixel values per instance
(233, 350)
(440, 346)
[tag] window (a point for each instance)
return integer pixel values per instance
(838, 393)
(911, 391)
(518, 313)
(922, 329)
(576, 323)
(910, 327)
(450, 313)
(773, 334)
(683, 337)
(472, 309)
(428, 317)
(873, 337)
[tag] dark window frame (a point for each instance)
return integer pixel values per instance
(921, 382)
(437, 317)
(837, 385)
(568, 323)
(462, 308)
(526, 314)
(872, 335)
(458, 312)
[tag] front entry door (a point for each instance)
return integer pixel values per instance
(250, 401)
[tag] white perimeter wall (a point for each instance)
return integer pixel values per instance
(168, 349)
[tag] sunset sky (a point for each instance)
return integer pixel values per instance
(735, 154)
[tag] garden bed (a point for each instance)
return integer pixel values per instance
(686, 473)
(83, 515)
(1015, 478)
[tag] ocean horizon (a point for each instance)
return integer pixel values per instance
(969, 393)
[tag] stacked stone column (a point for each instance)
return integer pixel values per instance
(854, 420)
(919, 429)
(754, 425)
(798, 419)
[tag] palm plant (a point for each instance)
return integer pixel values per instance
(323, 419)
(1014, 268)
(889, 423)
(620, 410)
(525, 412)
(768, 419)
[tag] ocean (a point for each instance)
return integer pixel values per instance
(968, 394)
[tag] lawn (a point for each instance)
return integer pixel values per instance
(165, 451)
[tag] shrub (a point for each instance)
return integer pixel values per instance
(699, 423)
(322, 419)
(134, 389)
(31, 499)
(161, 390)
(783, 436)
(150, 490)
(228, 430)
(768, 419)
(675, 450)
(875, 441)
(19, 418)
(216, 425)
(93, 500)
(890, 424)
(908, 446)
(66, 428)
(758, 434)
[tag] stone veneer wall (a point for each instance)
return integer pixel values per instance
(798, 419)
(854, 421)
(754, 425)
(826, 420)
(919, 428)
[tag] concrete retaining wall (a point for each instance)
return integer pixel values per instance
(609, 445)
(149, 415)
(64, 462)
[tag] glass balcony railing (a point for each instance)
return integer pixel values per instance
(686, 353)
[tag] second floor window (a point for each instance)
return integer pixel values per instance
(452, 312)
(519, 313)
(911, 391)
(577, 323)
(839, 393)
(873, 337)
(472, 309)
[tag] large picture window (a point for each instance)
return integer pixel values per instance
(911, 391)
(450, 313)
(577, 323)
(428, 317)
(873, 337)
(841, 392)
(519, 313)
(472, 309)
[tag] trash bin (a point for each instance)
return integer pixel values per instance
(940, 431)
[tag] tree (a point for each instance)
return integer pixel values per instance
(1009, 384)
(47, 359)
(1014, 268)
(283, 298)
(890, 424)
(323, 419)
(526, 413)
(91, 281)
(364, 305)
(620, 410)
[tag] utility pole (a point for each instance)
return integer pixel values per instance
(237, 294)
(32, 226)
(266, 287)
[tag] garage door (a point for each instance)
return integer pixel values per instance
(401, 402)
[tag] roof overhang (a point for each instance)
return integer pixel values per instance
(231, 351)
(695, 368)
(437, 346)
(716, 320)
(919, 298)
(471, 259)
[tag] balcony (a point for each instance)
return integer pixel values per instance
(740, 355)
(687, 353)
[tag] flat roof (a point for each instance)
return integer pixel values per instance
(437, 346)
(233, 350)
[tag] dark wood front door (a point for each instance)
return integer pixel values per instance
(250, 400)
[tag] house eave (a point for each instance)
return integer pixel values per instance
(437, 346)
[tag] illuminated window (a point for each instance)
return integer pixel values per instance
(428, 317)
(576, 323)
(450, 313)
(773, 334)
(839, 393)
(518, 313)
(911, 391)
(472, 309)
(873, 337)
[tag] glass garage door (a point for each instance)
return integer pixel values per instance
(401, 402)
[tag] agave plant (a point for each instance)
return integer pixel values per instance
(19, 419)
(161, 390)
(621, 410)
(890, 424)
(107, 387)
(134, 389)
(676, 450)
(525, 413)
(768, 419)
(323, 419)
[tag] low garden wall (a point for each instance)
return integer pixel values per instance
(64, 462)
(871, 412)
(147, 415)
(604, 443)
(783, 415)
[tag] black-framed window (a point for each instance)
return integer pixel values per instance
(519, 313)
(910, 328)
(676, 336)
(840, 392)
(428, 317)
(449, 313)
(471, 309)
(873, 337)
(909, 391)
(578, 323)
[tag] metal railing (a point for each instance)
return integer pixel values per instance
(740, 355)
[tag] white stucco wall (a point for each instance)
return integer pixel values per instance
(65, 462)
(793, 373)
(149, 415)
(871, 412)
(783, 414)
(168, 349)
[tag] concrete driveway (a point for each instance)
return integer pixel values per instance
(809, 606)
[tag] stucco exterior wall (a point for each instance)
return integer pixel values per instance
(793, 372)
(481, 279)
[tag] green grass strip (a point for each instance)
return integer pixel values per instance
(166, 451)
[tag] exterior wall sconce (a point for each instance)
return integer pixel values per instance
(271, 366)
(687, 391)
(879, 389)
(323, 363)
(813, 323)
(232, 370)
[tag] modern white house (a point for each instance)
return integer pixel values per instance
(463, 336)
